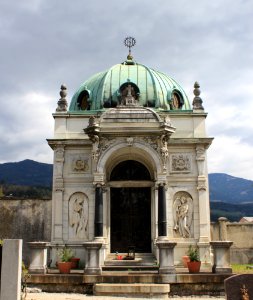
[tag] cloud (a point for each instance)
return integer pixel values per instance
(25, 127)
(230, 155)
(45, 43)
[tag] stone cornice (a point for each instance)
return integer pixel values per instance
(53, 143)
(206, 141)
(96, 113)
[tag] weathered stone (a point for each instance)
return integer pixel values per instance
(93, 265)
(221, 251)
(184, 284)
(223, 228)
(11, 270)
(29, 219)
(38, 257)
(166, 256)
(241, 250)
(135, 289)
(238, 286)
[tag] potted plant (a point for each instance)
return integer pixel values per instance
(185, 259)
(64, 264)
(194, 263)
(74, 262)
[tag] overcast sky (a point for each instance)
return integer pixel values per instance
(45, 43)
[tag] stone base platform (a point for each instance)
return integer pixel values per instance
(135, 289)
(182, 283)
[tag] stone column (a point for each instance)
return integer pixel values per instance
(162, 222)
(221, 250)
(92, 263)
(166, 256)
(11, 270)
(223, 229)
(38, 257)
(98, 231)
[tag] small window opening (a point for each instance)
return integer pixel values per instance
(83, 100)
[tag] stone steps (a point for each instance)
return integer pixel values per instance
(204, 283)
(131, 268)
(132, 290)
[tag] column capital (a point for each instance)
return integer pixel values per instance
(38, 245)
(98, 184)
(221, 244)
(93, 244)
(201, 183)
(161, 184)
(165, 244)
(200, 152)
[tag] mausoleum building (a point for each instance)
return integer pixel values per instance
(130, 166)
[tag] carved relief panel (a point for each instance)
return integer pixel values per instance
(180, 163)
(80, 164)
(182, 214)
(78, 216)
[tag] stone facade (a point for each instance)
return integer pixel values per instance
(170, 146)
(30, 220)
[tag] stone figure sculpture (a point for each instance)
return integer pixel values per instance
(163, 143)
(182, 214)
(78, 216)
(128, 96)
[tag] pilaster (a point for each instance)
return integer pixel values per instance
(58, 193)
(202, 187)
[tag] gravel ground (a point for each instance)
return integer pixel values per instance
(63, 296)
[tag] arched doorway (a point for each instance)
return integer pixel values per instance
(130, 207)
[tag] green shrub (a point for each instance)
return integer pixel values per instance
(65, 254)
(193, 253)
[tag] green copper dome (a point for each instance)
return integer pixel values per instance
(151, 89)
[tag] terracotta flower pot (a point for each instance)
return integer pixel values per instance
(194, 266)
(185, 260)
(64, 267)
(75, 262)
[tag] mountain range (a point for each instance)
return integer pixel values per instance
(229, 196)
(230, 189)
(27, 172)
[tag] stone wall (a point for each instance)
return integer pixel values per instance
(241, 234)
(29, 220)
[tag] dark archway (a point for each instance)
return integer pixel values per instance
(130, 209)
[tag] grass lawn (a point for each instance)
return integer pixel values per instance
(242, 269)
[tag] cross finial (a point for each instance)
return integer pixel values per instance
(129, 43)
